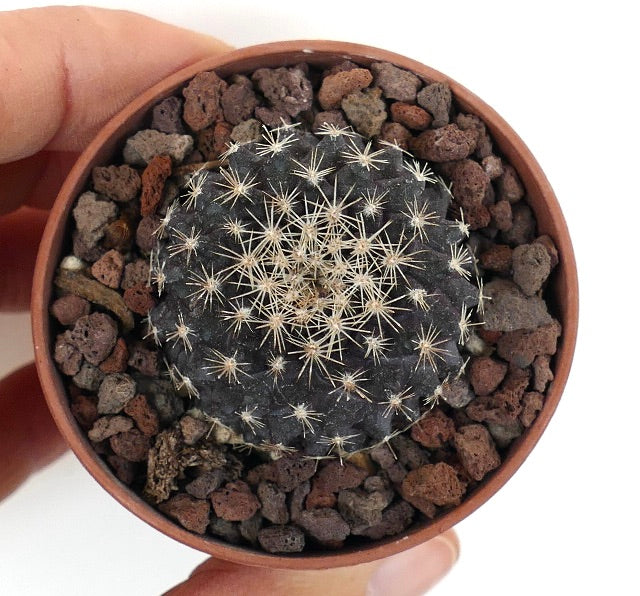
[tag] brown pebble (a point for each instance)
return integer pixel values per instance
(167, 116)
(501, 215)
(288, 90)
(395, 133)
(95, 336)
(436, 99)
(131, 445)
(509, 186)
(85, 410)
(484, 146)
(366, 111)
(235, 501)
(336, 87)
(522, 346)
(126, 471)
(193, 429)
(362, 509)
(115, 391)
(189, 512)
(325, 525)
(153, 179)
(202, 100)
(107, 426)
(433, 430)
(281, 539)
(144, 360)
(437, 483)
(135, 273)
(486, 374)
(497, 258)
(238, 101)
(69, 309)
(139, 298)
(330, 118)
(66, 354)
(396, 83)
(503, 406)
(205, 483)
(469, 183)
(88, 377)
(395, 519)
(531, 267)
(145, 233)
(274, 503)
(542, 374)
(108, 269)
(213, 140)
(448, 143)
(411, 116)
(550, 246)
(508, 309)
(144, 414)
(292, 470)
(117, 360)
(119, 183)
(337, 476)
(476, 450)
(492, 165)
(523, 228)
(532, 402)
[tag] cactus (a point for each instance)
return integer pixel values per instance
(313, 294)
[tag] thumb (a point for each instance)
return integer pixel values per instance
(410, 573)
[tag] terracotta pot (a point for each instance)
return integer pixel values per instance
(322, 53)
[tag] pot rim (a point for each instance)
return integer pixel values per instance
(541, 199)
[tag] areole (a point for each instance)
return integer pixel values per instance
(323, 53)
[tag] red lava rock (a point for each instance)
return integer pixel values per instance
(492, 165)
(167, 116)
(189, 512)
(117, 360)
(202, 100)
(238, 100)
(325, 525)
(274, 503)
(107, 426)
(212, 141)
(508, 309)
(292, 470)
(395, 519)
(115, 391)
(335, 87)
(66, 354)
(383, 456)
(92, 215)
(135, 273)
(395, 133)
(193, 429)
(497, 258)
(531, 267)
(69, 309)
(145, 237)
(153, 179)
(548, 243)
(331, 117)
(501, 215)
(437, 483)
(297, 499)
(85, 410)
(542, 374)
(288, 90)
(235, 501)
(469, 182)
(366, 111)
(119, 183)
(489, 337)
(144, 360)
(409, 453)
(319, 497)
(139, 298)
(108, 269)
(144, 414)
(271, 117)
(523, 228)
(421, 504)
(126, 471)
(95, 336)
(448, 143)
(84, 249)
(522, 346)
(532, 402)
(509, 186)
(395, 82)
(281, 539)
(202, 486)
(484, 146)
(476, 450)
(337, 476)
(503, 406)
(477, 216)
(436, 99)
(131, 445)
(486, 374)
(434, 430)
(411, 116)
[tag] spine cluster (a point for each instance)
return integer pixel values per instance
(314, 295)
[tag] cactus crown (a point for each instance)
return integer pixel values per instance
(314, 296)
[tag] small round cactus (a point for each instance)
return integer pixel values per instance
(313, 294)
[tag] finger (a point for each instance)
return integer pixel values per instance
(410, 573)
(34, 180)
(20, 234)
(66, 71)
(29, 438)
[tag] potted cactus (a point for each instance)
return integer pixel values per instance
(311, 311)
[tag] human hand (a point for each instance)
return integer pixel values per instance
(66, 71)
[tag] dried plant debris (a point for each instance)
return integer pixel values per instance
(305, 307)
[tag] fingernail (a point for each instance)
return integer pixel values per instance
(415, 571)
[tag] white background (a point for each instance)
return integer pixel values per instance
(561, 74)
